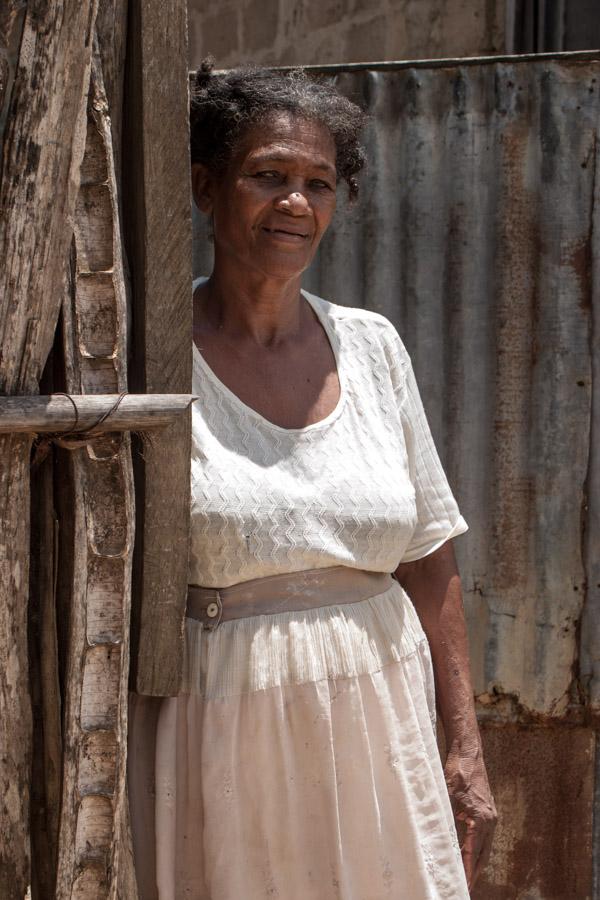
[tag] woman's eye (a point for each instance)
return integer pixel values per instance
(267, 173)
(321, 185)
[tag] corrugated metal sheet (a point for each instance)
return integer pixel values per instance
(475, 235)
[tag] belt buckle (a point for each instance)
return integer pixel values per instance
(213, 612)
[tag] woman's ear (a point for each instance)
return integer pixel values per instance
(202, 183)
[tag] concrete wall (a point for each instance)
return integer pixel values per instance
(290, 32)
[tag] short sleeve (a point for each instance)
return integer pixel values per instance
(438, 516)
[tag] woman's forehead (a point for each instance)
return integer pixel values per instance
(287, 137)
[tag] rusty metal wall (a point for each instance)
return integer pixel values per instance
(477, 234)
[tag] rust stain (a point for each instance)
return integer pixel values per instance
(542, 781)
(517, 252)
(578, 257)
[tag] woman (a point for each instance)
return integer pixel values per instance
(300, 759)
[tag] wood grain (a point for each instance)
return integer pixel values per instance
(158, 231)
(40, 181)
(15, 706)
(111, 29)
(38, 188)
(12, 17)
(55, 412)
(93, 858)
(45, 686)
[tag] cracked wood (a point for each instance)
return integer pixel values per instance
(94, 847)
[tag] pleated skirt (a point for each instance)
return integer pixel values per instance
(299, 762)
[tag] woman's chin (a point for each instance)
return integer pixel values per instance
(283, 268)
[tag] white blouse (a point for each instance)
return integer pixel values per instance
(363, 487)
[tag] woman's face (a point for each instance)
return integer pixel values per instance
(274, 202)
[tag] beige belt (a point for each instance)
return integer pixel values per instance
(290, 592)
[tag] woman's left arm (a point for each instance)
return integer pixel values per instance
(434, 587)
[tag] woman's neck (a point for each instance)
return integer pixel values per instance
(257, 307)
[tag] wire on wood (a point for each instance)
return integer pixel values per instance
(71, 439)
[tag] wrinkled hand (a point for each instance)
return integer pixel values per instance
(473, 805)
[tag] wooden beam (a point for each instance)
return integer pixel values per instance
(41, 154)
(56, 413)
(92, 854)
(158, 237)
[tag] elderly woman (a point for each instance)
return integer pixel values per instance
(300, 759)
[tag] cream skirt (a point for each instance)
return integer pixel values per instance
(299, 762)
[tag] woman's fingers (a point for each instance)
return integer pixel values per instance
(468, 852)
(485, 850)
(474, 806)
(476, 846)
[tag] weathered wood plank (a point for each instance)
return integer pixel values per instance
(40, 180)
(39, 177)
(45, 687)
(158, 231)
(55, 412)
(126, 882)
(15, 709)
(111, 28)
(143, 722)
(93, 860)
(12, 17)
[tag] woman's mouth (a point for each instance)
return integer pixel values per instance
(283, 234)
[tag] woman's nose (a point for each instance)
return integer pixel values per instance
(294, 202)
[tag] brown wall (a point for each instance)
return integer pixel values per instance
(542, 779)
(290, 32)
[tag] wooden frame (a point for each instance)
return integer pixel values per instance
(157, 215)
(64, 262)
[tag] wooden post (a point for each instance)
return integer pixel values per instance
(157, 211)
(40, 178)
(94, 815)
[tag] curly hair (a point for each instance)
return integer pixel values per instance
(224, 105)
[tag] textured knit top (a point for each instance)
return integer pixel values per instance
(363, 487)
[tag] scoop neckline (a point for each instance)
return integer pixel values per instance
(333, 343)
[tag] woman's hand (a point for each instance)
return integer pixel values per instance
(473, 807)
